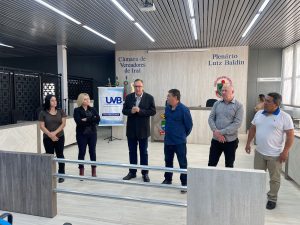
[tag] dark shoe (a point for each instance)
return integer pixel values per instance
(183, 191)
(61, 180)
(129, 176)
(94, 172)
(167, 182)
(271, 205)
(81, 171)
(146, 178)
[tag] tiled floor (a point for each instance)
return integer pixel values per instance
(95, 211)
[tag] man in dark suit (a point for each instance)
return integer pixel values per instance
(138, 106)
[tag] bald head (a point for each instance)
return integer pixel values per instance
(227, 92)
(228, 86)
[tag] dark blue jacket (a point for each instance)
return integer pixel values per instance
(179, 124)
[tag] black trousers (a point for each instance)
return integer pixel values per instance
(84, 140)
(180, 151)
(57, 147)
(216, 150)
(143, 147)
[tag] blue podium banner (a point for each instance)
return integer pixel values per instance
(110, 106)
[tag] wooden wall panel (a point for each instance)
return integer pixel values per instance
(293, 161)
(187, 71)
(27, 184)
(221, 196)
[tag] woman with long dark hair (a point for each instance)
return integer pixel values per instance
(52, 123)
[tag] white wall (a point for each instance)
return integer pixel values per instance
(190, 72)
(27, 137)
(263, 63)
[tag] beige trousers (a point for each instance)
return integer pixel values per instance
(262, 162)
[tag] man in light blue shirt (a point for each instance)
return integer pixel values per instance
(224, 120)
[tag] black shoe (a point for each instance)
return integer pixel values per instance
(271, 205)
(146, 178)
(129, 176)
(183, 191)
(61, 180)
(167, 182)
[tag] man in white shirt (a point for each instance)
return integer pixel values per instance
(274, 130)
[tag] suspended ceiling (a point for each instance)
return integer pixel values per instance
(34, 30)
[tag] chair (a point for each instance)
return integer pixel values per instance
(210, 102)
(9, 220)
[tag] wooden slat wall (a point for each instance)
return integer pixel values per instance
(26, 184)
(188, 72)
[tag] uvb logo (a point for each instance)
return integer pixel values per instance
(113, 100)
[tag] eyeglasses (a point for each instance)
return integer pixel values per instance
(267, 101)
(138, 86)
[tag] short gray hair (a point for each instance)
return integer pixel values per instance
(277, 98)
(175, 93)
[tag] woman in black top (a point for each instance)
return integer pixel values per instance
(87, 119)
(52, 123)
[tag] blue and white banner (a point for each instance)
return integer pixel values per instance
(110, 106)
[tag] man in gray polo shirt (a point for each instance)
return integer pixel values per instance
(225, 119)
(274, 130)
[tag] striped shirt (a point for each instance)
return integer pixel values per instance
(226, 118)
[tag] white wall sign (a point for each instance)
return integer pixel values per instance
(132, 65)
(218, 59)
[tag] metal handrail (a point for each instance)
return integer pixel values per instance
(115, 181)
(117, 197)
(121, 165)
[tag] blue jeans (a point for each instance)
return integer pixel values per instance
(143, 146)
(180, 151)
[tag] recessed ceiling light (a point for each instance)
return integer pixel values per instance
(100, 35)
(250, 25)
(191, 7)
(121, 8)
(58, 11)
(263, 6)
(8, 46)
(144, 31)
(193, 22)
